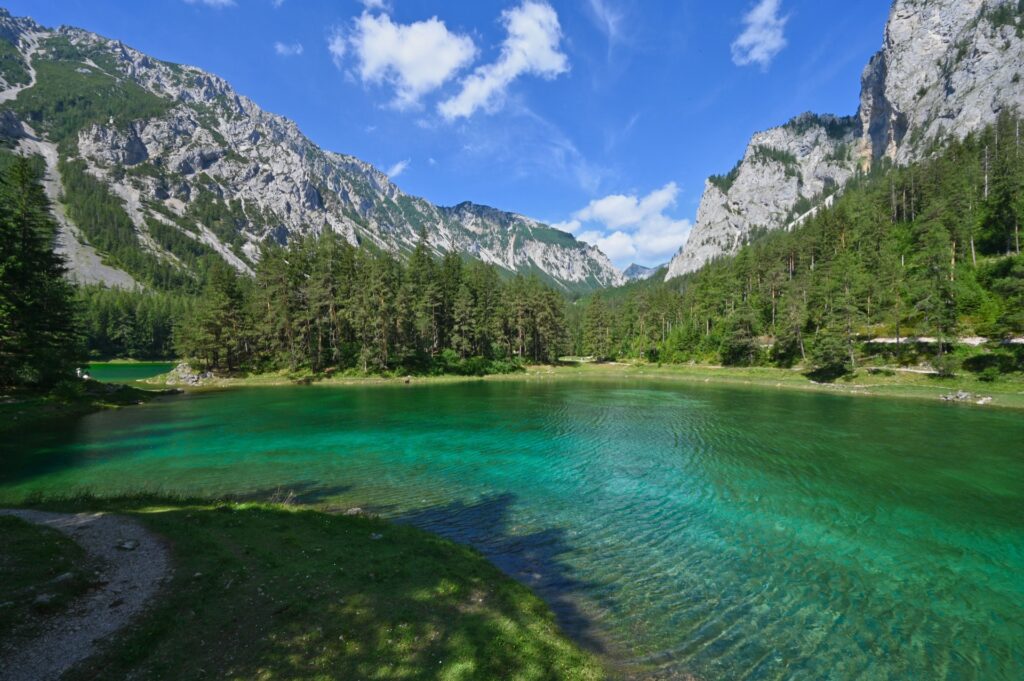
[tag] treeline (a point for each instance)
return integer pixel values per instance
(323, 305)
(931, 249)
(129, 324)
(40, 344)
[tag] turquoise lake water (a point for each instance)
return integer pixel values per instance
(725, 532)
(127, 372)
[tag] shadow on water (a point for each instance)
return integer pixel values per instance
(36, 454)
(533, 559)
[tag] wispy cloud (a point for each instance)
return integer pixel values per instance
(288, 50)
(532, 46)
(628, 227)
(764, 36)
(212, 3)
(526, 146)
(394, 171)
(608, 19)
(414, 59)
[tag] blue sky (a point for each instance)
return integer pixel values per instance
(601, 116)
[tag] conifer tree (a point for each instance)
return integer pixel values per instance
(39, 339)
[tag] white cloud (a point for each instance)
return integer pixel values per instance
(277, 3)
(763, 37)
(399, 168)
(630, 227)
(376, 5)
(531, 47)
(618, 246)
(212, 3)
(288, 50)
(571, 226)
(337, 45)
(414, 58)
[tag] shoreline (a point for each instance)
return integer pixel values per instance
(893, 383)
(373, 577)
(30, 409)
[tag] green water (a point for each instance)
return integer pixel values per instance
(725, 532)
(127, 372)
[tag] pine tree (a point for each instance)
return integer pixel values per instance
(39, 336)
(597, 330)
(739, 344)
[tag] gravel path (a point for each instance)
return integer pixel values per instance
(135, 564)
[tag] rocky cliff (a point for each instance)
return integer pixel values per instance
(946, 68)
(188, 158)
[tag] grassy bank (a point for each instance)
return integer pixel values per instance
(268, 591)
(1006, 392)
(41, 573)
(31, 409)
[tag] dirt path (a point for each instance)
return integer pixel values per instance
(135, 565)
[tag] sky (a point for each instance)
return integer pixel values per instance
(600, 117)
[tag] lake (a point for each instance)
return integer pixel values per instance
(128, 372)
(726, 532)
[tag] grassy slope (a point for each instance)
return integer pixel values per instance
(1006, 392)
(263, 591)
(36, 563)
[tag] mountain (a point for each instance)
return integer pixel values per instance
(947, 68)
(159, 165)
(638, 272)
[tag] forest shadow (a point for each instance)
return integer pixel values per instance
(533, 559)
(273, 592)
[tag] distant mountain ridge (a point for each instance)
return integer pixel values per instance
(637, 272)
(946, 68)
(187, 158)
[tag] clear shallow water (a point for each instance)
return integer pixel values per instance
(725, 532)
(127, 372)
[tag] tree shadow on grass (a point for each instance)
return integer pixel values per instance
(274, 592)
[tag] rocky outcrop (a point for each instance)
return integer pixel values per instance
(183, 374)
(946, 68)
(213, 151)
(784, 173)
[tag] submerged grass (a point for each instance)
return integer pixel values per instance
(32, 409)
(273, 591)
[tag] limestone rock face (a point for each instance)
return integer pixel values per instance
(946, 68)
(214, 147)
(784, 173)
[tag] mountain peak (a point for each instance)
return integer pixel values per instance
(196, 167)
(947, 67)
